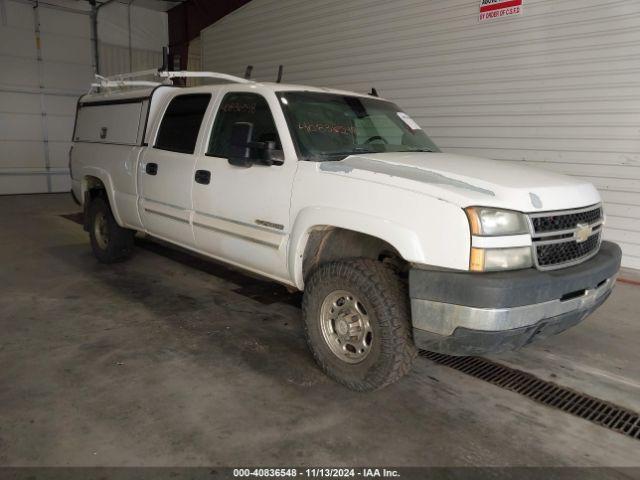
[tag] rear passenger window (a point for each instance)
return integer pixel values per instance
(181, 123)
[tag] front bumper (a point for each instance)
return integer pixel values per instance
(461, 313)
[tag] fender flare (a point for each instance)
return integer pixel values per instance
(403, 239)
(105, 178)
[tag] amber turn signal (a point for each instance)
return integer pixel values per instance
(476, 261)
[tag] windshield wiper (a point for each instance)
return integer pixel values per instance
(347, 152)
(419, 150)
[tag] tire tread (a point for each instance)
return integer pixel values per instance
(121, 239)
(377, 281)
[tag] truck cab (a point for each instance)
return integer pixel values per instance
(396, 245)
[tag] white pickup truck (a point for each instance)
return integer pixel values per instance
(396, 245)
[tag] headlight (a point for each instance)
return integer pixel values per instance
(491, 222)
(494, 259)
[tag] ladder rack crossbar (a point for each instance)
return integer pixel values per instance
(122, 79)
(116, 84)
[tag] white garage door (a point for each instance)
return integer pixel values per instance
(556, 87)
(37, 98)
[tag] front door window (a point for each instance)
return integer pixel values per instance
(244, 127)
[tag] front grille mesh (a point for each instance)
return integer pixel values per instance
(558, 253)
(554, 237)
(556, 223)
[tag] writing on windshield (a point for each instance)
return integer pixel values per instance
(328, 126)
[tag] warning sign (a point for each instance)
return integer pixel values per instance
(491, 9)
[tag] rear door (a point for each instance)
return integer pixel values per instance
(166, 170)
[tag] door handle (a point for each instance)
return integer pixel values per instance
(151, 168)
(203, 177)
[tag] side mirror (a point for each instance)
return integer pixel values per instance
(243, 150)
(270, 156)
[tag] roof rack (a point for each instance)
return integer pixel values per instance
(123, 80)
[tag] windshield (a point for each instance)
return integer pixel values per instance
(328, 126)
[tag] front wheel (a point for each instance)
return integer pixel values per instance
(356, 316)
(109, 241)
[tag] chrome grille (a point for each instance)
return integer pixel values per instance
(560, 253)
(567, 221)
(565, 238)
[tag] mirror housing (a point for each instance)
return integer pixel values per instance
(268, 153)
(242, 148)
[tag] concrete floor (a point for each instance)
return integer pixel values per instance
(153, 362)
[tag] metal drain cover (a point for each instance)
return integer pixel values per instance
(597, 411)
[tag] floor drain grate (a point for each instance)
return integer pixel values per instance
(584, 406)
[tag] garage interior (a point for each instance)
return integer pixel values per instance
(172, 360)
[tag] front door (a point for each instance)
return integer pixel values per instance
(166, 170)
(241, 213)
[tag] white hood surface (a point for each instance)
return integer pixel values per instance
(469, 181)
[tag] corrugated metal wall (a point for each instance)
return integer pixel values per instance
(194, 62)
(557, 87)
(39, 87)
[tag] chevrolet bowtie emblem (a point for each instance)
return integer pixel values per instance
(583, 232)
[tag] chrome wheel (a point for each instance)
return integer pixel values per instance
(101, 230)
(345, 326)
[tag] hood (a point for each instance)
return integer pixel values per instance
(469, 181)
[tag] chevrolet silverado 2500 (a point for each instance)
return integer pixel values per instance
(396, 245)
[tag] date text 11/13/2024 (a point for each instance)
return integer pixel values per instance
(315, 473)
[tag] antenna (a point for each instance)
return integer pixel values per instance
(247, 72)
(280, 69)
(373, 92)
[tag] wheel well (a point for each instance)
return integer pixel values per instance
(327, 243)
(93, 186)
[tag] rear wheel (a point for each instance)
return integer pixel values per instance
(110, 242)
(357, 325)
